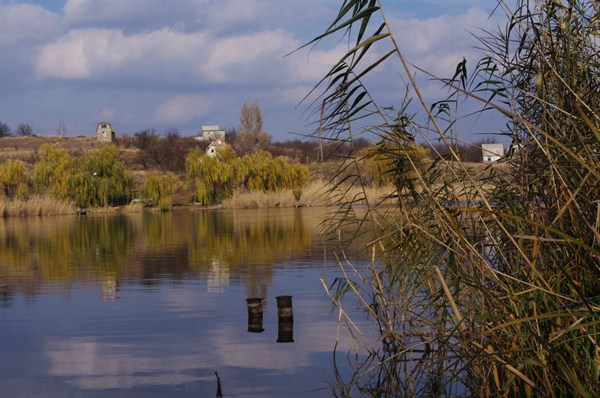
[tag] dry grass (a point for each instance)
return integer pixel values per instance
(35, 206)
(25, 148)
(317, 194)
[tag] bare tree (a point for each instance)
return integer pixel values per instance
(251, 138)
(4, 130)
(24, 130)
(62, 129)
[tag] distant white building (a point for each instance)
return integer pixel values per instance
(211, 133)
(105, 132)
(215, 136)
(492, 152)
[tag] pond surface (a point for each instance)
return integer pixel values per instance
(152, 305)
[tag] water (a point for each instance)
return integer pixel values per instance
(152, 305)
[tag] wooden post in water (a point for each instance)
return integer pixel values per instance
(255, 315)
(285, 314)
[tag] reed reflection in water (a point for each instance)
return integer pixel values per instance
(154, 304)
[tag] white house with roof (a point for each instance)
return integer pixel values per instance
(215, 136)
(492, 152)
(105, 132)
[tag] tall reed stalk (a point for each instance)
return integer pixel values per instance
(478, 287)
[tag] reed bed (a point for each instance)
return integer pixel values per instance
(46, 206)
(35, 206)
(477, 286)
(318, 193)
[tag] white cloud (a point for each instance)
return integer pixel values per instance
(90, 364)
(183, 108)
(231, 51)
(244, 58)
(65, 59)
(439, 44)
(90, 53)
(22, 22)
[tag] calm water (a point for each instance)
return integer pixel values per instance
(152, 305)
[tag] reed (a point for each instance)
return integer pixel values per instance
(318, 193)
(477, 286)
(35, 206)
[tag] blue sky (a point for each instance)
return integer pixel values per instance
(150, 64)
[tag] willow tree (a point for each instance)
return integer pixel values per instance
(100, 178)
(262, 172)
(497, 298)
(15, 180)
(209, 177)
(158, 188)
(52, 170)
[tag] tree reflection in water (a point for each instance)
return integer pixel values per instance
(217, 246)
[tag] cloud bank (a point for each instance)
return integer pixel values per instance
(181, 64)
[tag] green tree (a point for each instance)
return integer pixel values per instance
(15, 180)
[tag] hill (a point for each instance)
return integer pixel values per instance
(25, 148)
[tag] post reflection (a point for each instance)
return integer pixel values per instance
(255, 315)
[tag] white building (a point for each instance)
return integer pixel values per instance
(492, 152)
(211, 133)
(105, 132)
(215, 136)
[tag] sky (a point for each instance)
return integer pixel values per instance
(182, 64)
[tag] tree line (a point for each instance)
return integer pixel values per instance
(101, 178)
(23, 130)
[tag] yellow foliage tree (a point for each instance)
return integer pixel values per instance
(158, 188)
(262, 172)
(209, 177)
(395, 163)
(15, 180)
(52, 170)
(101, 179)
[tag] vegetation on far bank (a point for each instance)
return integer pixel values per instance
(159, 171)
